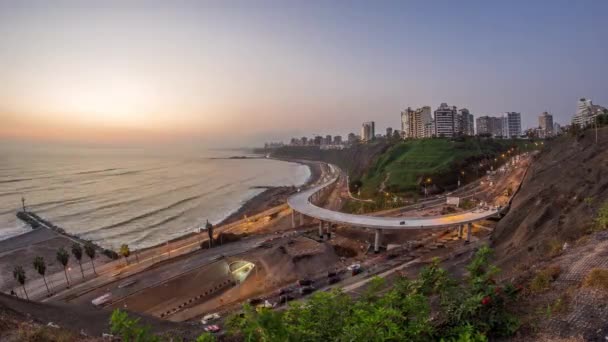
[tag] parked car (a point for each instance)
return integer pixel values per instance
(304, 290)
(305, 282)
(334, 279)
(285, 298)
(210, 317)
(255, 301)
(285, 290)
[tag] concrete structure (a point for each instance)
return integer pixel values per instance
(389, 132)
(512, 124)
(586, 112)
(338, 140)
(413, 122)
(464, 123)
(368, 131)
(545, 123)
(301, 202)
(489, 125)
(445, 119)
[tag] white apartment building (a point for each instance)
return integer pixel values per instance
(445, 120)
(413, 122)
(368, 132)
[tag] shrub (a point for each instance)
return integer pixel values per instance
(601, 220)
(597, 278)
(543, 279)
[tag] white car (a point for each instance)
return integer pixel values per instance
(354, 267)
(102, 299)
(210, 317)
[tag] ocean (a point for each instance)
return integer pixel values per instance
(133, 196)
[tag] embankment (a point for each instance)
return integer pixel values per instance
(558, 200)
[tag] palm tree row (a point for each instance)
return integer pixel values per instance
(63, 257)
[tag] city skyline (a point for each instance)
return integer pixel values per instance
(198, 72)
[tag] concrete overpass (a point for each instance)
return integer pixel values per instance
(302, 203)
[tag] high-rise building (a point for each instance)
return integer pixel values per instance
(318, 140)
(352, 138)
(512, 125)
(586, 112)
(445, 121)
(389, 132)
(490, 125)
(368, 131)
(545, 123)
(413, 122)
(464, 123)
(327, 140)
(338, 140)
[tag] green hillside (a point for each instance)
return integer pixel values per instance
(402, 166)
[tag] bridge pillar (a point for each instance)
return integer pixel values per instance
(293, 219)
(328, 230)
(460, 231)
(469, 227)
(301, 219)
(321, 229)
(377, 240)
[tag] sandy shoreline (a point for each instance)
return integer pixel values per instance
(272, 196)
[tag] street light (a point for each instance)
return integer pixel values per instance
(427, 181)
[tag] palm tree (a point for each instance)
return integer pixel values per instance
(63, 257)
(77, 253)
(89, 250)
(40, 266)
(125, 252)
(19, 275)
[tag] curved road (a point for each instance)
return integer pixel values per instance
(300, 202)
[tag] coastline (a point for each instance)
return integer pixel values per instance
(272, 196)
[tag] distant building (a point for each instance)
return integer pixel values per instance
(413, 122)
(429, 129)
(464, 123)
(368, 131)
(327, 140)
(545, 123)
(512, 123)
(318, 140)
(557, 128)
(304, 141)
(338, 140)
(389, 132)
(352, 138)
(445, 120)
(586, 112)
(396, 134)
(490, 125)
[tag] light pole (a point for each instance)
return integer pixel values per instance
(427, 181)
(460, 174)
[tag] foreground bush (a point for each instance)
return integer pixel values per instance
(433, 307)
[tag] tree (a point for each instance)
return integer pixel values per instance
(40, 266)
(209, 228)
(19, 275)
(77, 253)
(89, 249)
(63, 257)
(125, 252)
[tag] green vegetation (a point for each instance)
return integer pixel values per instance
(77, 253)
(130, 330)
(40, 267)
(89, 250)
(597, 278)
(19, 275)
(543, 279)
(431, 307)
(402, 167)
(63, 257)
(601, 220)
(125, 252)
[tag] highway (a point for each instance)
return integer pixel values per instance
(301, 203)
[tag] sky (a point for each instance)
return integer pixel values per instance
(235, 73)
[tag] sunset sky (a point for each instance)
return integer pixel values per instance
(230, 73)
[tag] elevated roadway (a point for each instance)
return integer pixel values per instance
(302, 203)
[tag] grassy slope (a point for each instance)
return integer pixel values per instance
(406, 162)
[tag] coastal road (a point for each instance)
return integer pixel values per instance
(301, 203)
